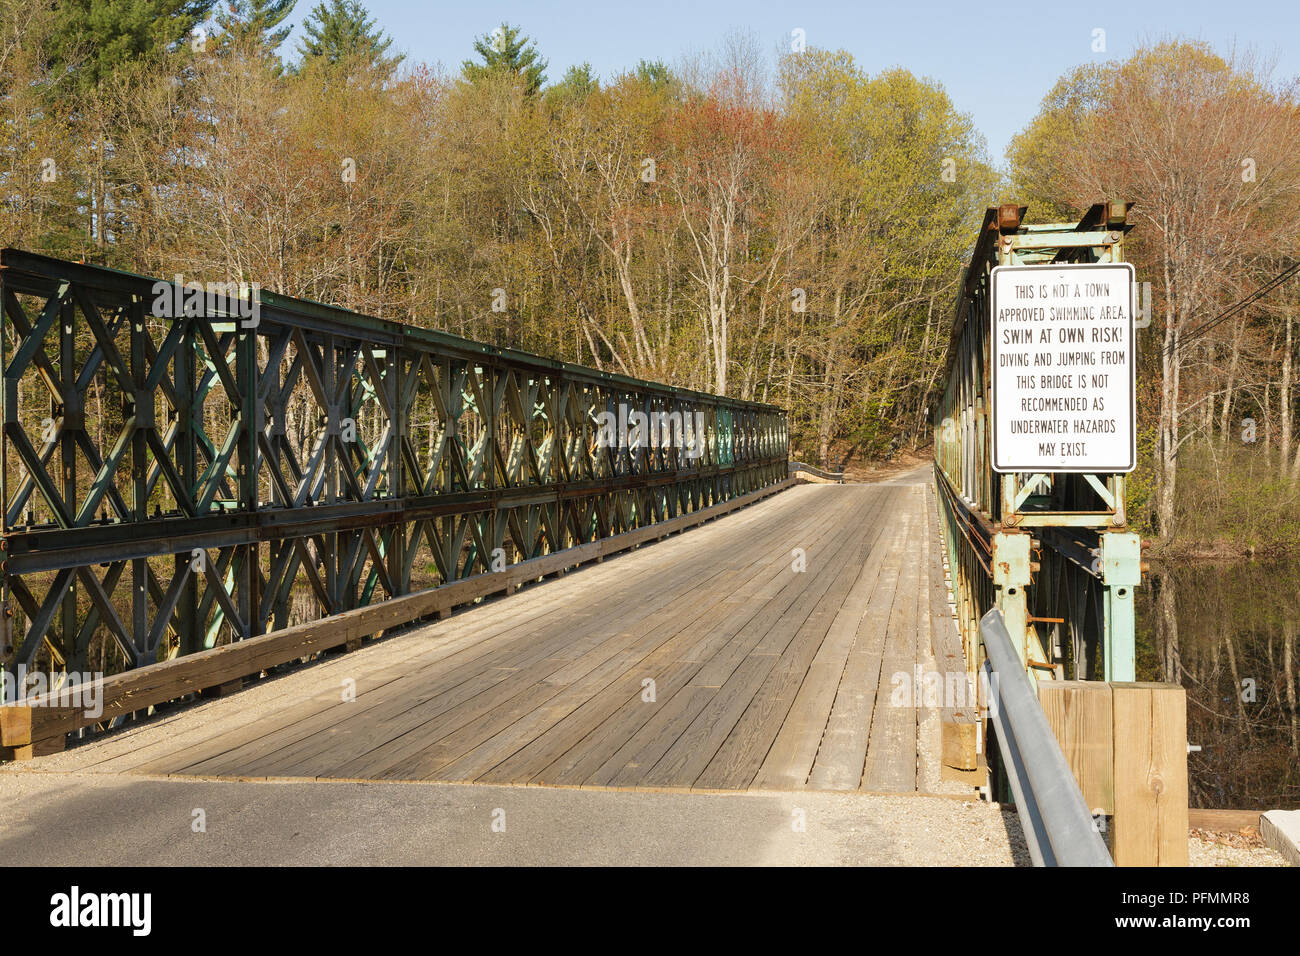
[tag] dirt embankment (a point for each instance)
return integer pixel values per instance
(904, 461)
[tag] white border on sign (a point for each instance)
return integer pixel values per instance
(1132, 367)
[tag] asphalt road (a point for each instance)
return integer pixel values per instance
(87, 819)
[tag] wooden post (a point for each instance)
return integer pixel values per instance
(1127, 746)
(1080, 713)
(16, 732)
(17, 742)
(1150, 826)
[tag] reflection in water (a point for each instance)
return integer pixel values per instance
(1227, 632)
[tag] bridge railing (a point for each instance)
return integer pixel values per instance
(184, 468)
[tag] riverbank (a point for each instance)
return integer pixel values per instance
(1159, 550)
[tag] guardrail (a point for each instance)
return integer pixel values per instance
(806, 472)
(1057, 823)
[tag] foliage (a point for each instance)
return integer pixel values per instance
(1208, 157)
(506, 51)
(341, 32)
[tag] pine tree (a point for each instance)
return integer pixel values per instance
(256, 20)
(344, 32)
(656, 75)
(100, 35)
(504, 50)
(578, 83)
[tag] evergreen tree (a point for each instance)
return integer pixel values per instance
(578, 83)
(504, 50)
(100, 35)
(342, 31)
(656, 75)
(257, 20)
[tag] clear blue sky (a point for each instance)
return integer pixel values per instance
(996, 61)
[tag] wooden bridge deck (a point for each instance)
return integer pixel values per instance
(763, 677)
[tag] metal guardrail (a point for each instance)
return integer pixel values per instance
(804, 469)
(1058, 826)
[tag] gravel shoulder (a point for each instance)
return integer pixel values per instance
(1204, 852)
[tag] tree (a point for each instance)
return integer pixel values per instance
(101, 35)
(1209, 160)
(256, 22)
(39, 171)
(879, 270)
(504, 50)
(578, 83)
(656, 75)
(343, 33)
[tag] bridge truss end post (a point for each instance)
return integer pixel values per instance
(1012, 576)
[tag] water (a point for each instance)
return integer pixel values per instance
(1230, 634)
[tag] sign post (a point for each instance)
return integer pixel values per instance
(1063, 368)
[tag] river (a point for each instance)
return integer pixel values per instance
(1228, 633)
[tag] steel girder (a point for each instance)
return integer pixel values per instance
(172, 483)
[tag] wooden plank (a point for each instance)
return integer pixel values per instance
(382, 665)
(742, 754)
(606, 719)
(479, 747)
(407, 704)
(309, 717)
(609, 716)
(890, 764)
(687, 758)
(636, 756)
(1233, 820)
(630, 763)
(618, 639)
(842, 753)
(399, 682)
(590, 751)
(1150, 822)
(1081, 714)
(959, 738)
(531, 726)
(790, 759)
(546, 687)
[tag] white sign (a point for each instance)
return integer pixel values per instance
(1063, 368)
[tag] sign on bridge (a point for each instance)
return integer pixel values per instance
(1063, 368)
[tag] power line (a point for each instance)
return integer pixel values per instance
(1238, 307)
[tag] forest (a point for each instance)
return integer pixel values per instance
(786, 228)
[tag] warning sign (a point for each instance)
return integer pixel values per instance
(1063, 368)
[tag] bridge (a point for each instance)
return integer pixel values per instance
(420, 559)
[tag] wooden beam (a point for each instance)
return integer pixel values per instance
(1150, 823)
(1080, 714)
(1223, 819)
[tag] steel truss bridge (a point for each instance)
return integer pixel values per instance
(195, 496)
(1052, 552)
(172, 484)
